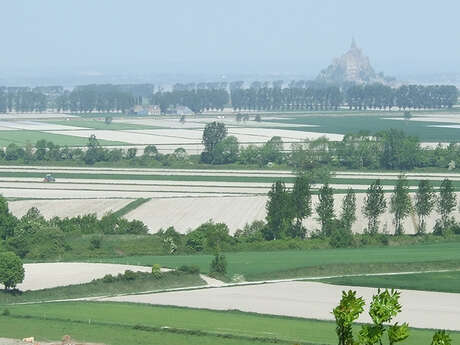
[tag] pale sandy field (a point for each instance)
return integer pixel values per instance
(189, 213)
(48, 275)
(181, 137)
(186, 214)
(67, 208)
(37, 116)
(309, 300)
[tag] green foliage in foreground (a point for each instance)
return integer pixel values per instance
(129, 282)
(436, 281)
(141, 324)
(319, 262)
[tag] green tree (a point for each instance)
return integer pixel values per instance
(226, 151)
(8, 222)
(447, 201)
(11, 270)
(400, 204)
(279, 212)
(349, 209)
(301, 205)
(213, 134)
(108, 120)
(374, 206)
(150, 151)
(425, 200)
(325, 209)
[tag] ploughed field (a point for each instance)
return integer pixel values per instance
(183, 198)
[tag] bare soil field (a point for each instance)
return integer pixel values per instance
(37, 116)
(189, 213)
(186, 214)
(68, 208)
(309, 300)
(181, 137)
(48, 275)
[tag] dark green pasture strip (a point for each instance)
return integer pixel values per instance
(318, 262)
(221, 325)
(130, 207)
(22, 137)
(351, 124)
(106, 176)
(143, 282)
(436, 281)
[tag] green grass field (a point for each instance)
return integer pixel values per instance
(144, 324)
(100, 124)
(143, 282)
(319, 262)
(438, 281)
(22, 137)
(353, 123)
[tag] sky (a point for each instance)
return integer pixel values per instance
(226, 36)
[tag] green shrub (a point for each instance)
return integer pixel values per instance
(129, 275)
(156, 271)
(108, 278)
(192, 269)
(95, 243)
(218, 264)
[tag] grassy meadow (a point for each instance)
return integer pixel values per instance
(318, 262)
(23, 137)
(436, 281)
(340, 124)
(114, 323)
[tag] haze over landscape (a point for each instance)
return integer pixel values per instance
(112, 40)
(229, 172)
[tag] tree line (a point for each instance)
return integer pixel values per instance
(390, 149)
(33, 236)
(201, 97)
(287, 210)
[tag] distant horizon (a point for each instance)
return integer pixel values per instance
(53, 39)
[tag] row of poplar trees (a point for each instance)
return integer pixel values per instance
(287, 209)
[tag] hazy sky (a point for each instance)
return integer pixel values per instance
(226, 36)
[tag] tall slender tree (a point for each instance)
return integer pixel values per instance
(348, 216)
(325, 208)
(279, 212)
(425, 200)
(301, 204)
(374, 206)
(447, 201)
(400, 204)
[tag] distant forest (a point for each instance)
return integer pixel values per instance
(199, 97)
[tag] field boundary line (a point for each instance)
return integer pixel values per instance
(228, 285)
